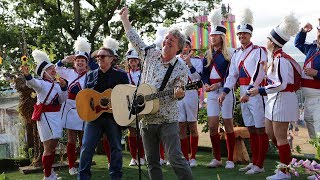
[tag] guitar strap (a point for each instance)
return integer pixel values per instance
(167, 76)
(48, 93)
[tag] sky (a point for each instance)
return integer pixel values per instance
(269, 13)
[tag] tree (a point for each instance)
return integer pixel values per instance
(55, 24)
(61, 22)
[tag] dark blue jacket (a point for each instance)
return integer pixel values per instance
(222, 65)
(308, 50)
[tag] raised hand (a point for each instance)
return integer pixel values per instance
(124, 16)
(186, 58)
(207, 88)
(25, 70)
(69, 59)
(124, 13)
(62, 82)
(308, 27)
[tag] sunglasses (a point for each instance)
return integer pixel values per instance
(103, 56)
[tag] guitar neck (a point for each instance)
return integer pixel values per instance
(159, 95)
(170, 92)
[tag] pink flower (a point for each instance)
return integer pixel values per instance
(296, 173)
(300, 162)
(314, 163)
(297, 164)
(294, 160)
(306, 163)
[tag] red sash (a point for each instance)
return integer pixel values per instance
(131, 79)
(51, 108)
(38, 108)
(71, 95)
(241, 64)
(296, 74)
(212, 64)
(311, 83)
(213, 81)
(311, 59)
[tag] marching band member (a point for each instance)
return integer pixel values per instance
(163, 125)
(76, 78)
(283, 78)
(106, 77)
(188, 106)
(310, 78)
(133, 71)
(216, 64)
(51, 95)
(246, 66)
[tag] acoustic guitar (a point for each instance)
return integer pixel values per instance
(147, 101)
(91, 104)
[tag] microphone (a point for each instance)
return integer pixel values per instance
(149, 47)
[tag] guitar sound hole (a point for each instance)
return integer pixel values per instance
(140, 101)
(104, 102)
(138, 105)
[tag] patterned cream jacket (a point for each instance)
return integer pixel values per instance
(153, 72)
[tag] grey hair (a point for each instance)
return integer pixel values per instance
(181, 38)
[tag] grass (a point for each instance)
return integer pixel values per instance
(201, 172)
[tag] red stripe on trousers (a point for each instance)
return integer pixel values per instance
(185, 147)
(231, 140)
(71, 153)
(215, 141)
(194, 140)
(285, 154)
(133, 147)
(254, 147)
(47, 161)
(161, 151)
(106, 147)
(263, 148)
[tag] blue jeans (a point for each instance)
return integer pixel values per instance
(92, 134)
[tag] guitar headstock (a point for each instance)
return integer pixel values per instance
(194, 85)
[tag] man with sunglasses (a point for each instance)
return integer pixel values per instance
(101, 79)
(310, 78)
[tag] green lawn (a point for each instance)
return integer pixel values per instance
(201, 172)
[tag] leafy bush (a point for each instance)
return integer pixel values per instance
(298, 149)
(315, 142)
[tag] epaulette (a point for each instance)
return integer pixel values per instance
(264, 48)
(255, 47)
